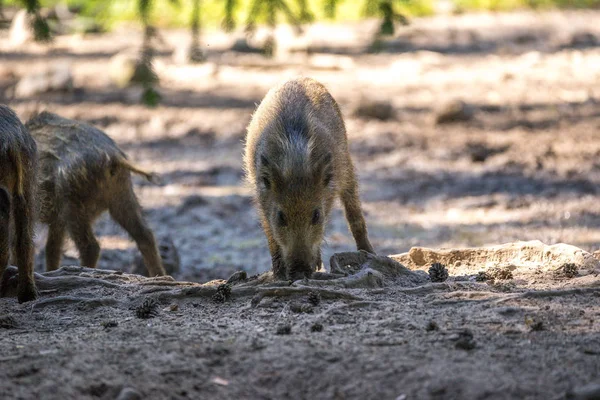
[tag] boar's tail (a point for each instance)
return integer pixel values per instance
(149, 176)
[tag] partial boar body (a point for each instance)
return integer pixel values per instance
(297, 160)
(82, 174)
(18, 155)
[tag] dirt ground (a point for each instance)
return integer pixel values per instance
(522, 167)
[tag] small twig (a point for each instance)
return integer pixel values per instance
(355, 304)
(291, 291)
(540, 294)
(76, 270)
(188, 292)
(11, 358)
(166, 283)
(70, 282)
(86, 302)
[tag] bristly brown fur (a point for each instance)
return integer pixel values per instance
(18, 158)
(83, 173)
(297, 160)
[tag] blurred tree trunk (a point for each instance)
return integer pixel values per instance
(268, 10)
(384, 9)
(144, 72)
(306, 16)
(41, 30)
(228, 23)
(330, 7)
(196, 54)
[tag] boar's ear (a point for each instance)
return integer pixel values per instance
(264, 174)
(324, 168)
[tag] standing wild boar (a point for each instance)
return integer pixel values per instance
(297, 160)
(18, 157)
(83, 173)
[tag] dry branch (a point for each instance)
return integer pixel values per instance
(84, 302)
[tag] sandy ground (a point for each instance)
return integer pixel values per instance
(524, 167)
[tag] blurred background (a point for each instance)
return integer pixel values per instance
(471, 122)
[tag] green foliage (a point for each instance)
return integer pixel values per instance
(41, 29)
(150, 97)
(385, 10)
(329, 8)
(228, 23)
(267, 11)
(507, 5)
(144, 7)
(39, 25)
(306, 15)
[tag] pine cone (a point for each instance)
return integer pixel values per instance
(568, 270)
(314, 298)
(438, 272)
(223, 293)
(148, 309)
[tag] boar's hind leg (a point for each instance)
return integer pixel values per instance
(56, 236)
(354, 216)
(23, 215)
(4, 232)
(80, 229)
(127, 212)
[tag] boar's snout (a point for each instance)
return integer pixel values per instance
(299, 270)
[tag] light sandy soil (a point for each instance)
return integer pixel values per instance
(535, 91)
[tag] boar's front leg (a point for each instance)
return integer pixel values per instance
(23, 214)
(4, 234)
(354, 215)
(276, 258)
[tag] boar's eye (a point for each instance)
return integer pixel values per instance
(316, 217)
(327, 179)
(266, 182)
(281, 220)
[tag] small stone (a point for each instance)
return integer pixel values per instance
(465, 340)
(284, 329)
(583, 39)
(375, 109)
(454, 111)
(497, 273)
(128, 393)
(432, 326)
(109, 324)
(171, 308)
(301, 308)
(237, 277)
(480, 152)
(7, 322)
